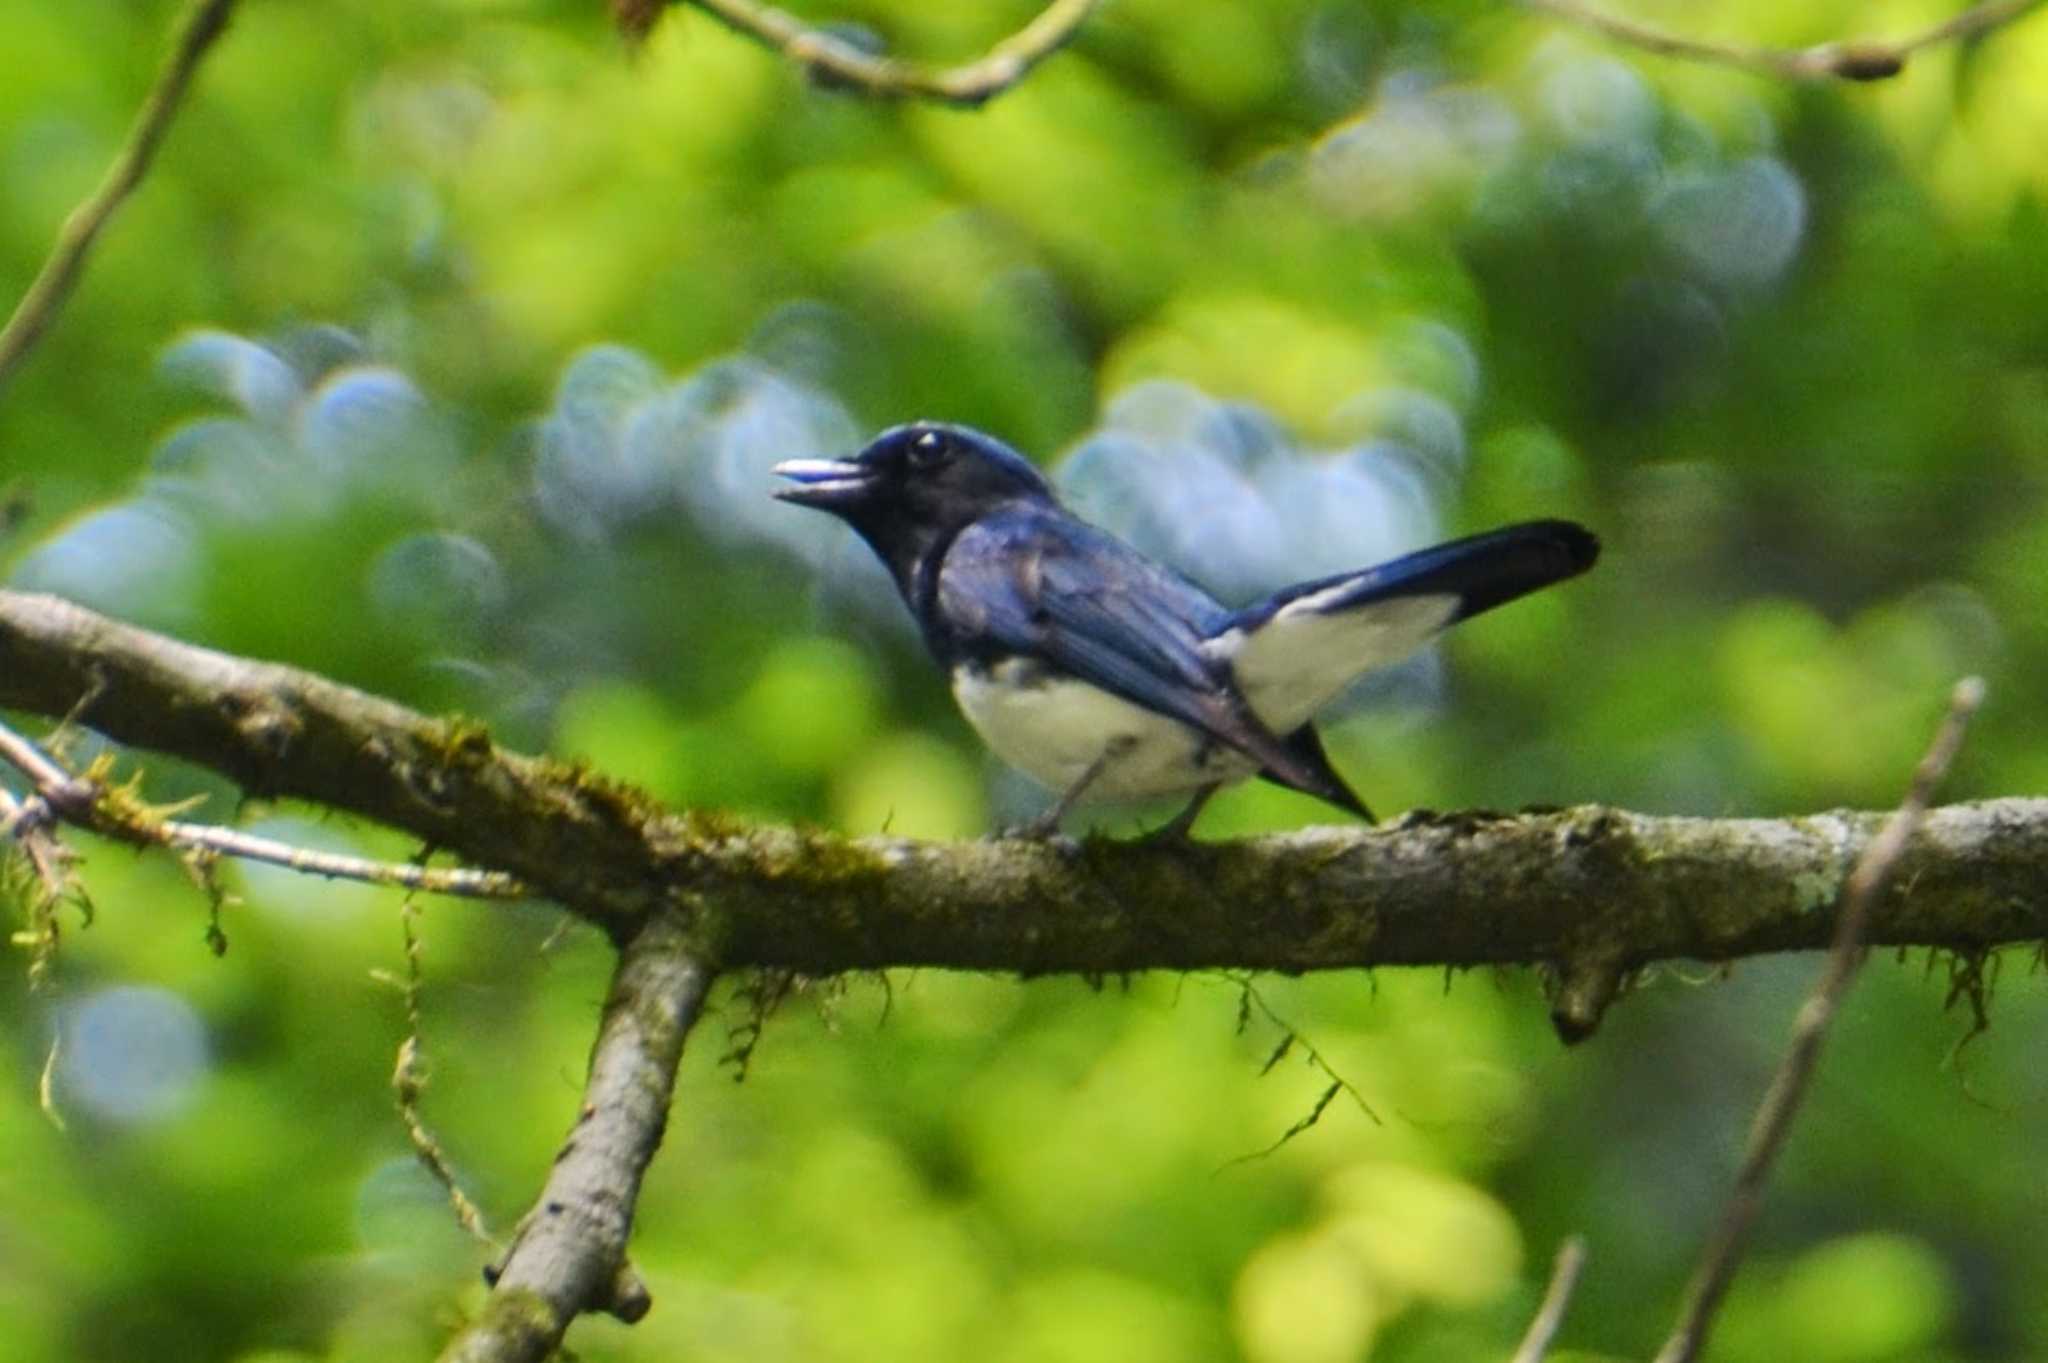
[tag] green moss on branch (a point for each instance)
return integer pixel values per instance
(1590, 893)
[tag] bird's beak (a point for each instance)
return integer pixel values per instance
(824, 483)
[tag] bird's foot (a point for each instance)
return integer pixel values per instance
(1044, 830)
(1175, 832)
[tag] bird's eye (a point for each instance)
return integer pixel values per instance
(929, 450)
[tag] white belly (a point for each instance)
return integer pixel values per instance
(1052, 728)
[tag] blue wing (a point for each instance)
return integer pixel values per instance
(1033, 581)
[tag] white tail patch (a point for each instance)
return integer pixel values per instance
(1298, 661)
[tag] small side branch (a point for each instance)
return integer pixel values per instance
(50, 881)
(204, 22)
(1862, 60)
(1564, 1279)
(1788, 1090)
(835, 61)
(462, 882)
(568, 1256)
(409, 1082)
(63, 797)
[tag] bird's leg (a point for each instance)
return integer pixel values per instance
(1046, 825)
(1176, 829)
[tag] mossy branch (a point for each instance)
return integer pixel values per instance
(568, 1256)
(1589, 893)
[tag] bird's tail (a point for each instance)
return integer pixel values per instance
(1481, 571)
(1310, 772)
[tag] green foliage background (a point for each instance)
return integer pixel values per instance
(1785, 347)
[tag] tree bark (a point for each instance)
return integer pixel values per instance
(1590, 892)
(569, 1254)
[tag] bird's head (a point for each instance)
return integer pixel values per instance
(914, 484)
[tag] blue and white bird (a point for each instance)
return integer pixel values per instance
(1102, 673)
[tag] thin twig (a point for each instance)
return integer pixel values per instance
(1564, 1278)
(1788, 1089)
(460, 881)
(204, 22)
(1861, 59)
(46, 1082)
(22, 753)
(409, 1081)
(1971, 22)
(1249, 998)
(61, 795)
(837, 62)
(27, 823)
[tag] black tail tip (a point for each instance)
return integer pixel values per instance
(1575, 547)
